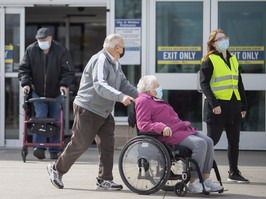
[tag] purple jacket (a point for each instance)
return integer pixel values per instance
(154, 115)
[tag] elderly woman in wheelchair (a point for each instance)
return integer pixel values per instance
(153, 114)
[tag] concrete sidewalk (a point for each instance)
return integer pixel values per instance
(19, 180)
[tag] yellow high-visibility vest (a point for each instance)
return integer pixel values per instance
(224, 81)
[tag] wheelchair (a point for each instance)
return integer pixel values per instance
(146, 165)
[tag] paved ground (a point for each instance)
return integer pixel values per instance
(19, 180)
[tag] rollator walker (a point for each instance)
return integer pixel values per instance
(44, 126)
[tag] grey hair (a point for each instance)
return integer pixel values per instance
(112, 40)
(146, 83)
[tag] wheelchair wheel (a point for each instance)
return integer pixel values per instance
(180, 189)
(177, 174)
(144, 165)
(24, 153)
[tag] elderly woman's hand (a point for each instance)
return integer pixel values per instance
(167, 131)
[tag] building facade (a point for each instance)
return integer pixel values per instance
(166, 38)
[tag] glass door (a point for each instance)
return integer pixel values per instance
(2, 77)
(244, 22)
(176, 51)
(12, 46)
(177, 41)
(80, 29)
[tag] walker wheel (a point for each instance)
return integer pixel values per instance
(24, 153)
(180, 189)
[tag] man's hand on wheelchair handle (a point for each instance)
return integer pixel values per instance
(167, 131)
(127, 100)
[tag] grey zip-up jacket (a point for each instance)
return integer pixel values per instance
(102, 84)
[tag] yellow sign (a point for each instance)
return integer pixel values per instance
(9, 54)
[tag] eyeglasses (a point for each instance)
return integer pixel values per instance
(222, 38)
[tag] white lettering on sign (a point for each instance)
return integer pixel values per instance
(237, 54)
(187, 55)
(250, 55)
(180, 55)
(247, 55)
(170, 55)
(6, 52)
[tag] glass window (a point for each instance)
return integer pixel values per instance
(12, 108)
(244, 23)
(179, 36)
(87, 30)
(12, 44)
(12, 36)
(128, 9)
(187, 104)
(255, 119)
(86, 39)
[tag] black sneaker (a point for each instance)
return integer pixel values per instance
(107, 185)
(236, 177)
(39, 153)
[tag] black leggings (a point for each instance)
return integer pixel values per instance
(214, 131)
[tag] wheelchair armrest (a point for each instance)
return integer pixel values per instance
(149, 133)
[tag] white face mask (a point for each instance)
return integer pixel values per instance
(159, 92)
(44, 45)
(223, 45)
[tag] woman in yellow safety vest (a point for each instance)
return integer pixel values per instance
(225, 103)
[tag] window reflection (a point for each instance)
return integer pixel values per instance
(179, 24)
(128, 9)
(12, 108)
(244, 23)
(86, 39)
(187, 104)
(12, 42)
(12, 45)
(255, 118)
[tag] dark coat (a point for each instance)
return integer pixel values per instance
(46, 73)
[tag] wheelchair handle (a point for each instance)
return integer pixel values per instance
(63, 92)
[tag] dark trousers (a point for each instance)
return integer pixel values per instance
(88, 126)
(214, 130)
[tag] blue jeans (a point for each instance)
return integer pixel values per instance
(44, 110)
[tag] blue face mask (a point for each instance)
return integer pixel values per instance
(44, 45)
(223, 45)
(159, 92)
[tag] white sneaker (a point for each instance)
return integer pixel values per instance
(213, 186)
(107, 185)
(55, 177)
(196, 187)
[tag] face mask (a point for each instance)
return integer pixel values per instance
(223, 45)
(44, 45)
(159, 92)
(122, 54)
